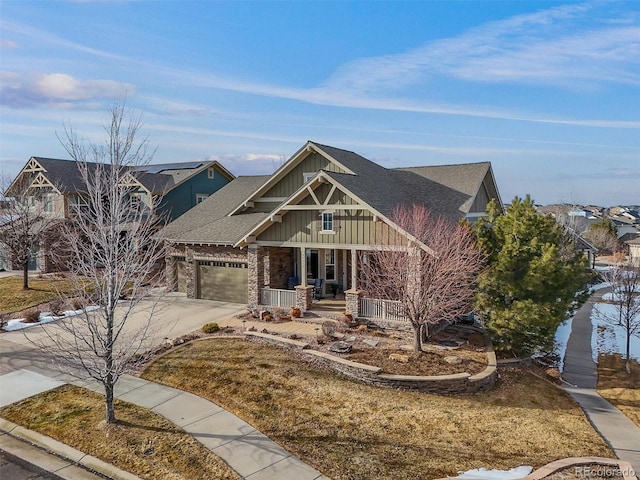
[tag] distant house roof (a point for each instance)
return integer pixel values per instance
(209, 223)
(65, 176)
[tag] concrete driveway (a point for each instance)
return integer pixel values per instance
(173, 315)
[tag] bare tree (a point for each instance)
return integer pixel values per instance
(114, 252)
(433, 278)
(24, 221)
(625, 284)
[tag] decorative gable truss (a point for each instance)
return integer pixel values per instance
(324, 214)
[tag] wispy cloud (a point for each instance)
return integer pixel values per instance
(549, 47)
(59, 90)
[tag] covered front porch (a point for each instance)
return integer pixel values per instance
(320, 280)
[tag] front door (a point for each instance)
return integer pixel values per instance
(313, 267)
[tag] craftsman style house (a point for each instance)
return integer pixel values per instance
(55, 187)
(302, 232)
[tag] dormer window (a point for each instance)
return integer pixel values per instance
(211, 172)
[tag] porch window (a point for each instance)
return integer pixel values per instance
(330, 264)
(327, 221)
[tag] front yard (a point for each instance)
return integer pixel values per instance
(142, 443)
(15, 299)
(618, 387)
(350, 430)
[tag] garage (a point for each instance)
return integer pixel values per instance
(222, 281)
(181, 267)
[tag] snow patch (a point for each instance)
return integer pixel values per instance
(609, 338)
(561, 339)
(484, 474)
(45, 317)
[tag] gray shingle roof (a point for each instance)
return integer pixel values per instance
(208, 222)
(354, 162)
(64, 174)
(446, 190)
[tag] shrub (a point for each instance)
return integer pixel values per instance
(210, 327)
(328, 328)
(32, 315)
(57, 307)
(77, 303)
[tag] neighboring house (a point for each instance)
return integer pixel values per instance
(310, 223)
(177, 187)
(634, 251)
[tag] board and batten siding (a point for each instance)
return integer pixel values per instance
(294, 179)
(352, 227)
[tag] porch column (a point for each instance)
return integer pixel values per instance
(304, 297)
(255, 264)
(352, 302)
(354, 269)
(303, 266)
(344, 271)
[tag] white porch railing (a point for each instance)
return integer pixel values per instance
(381, 309)
(274, 297)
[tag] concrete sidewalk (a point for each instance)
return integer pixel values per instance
(617, 430)
(245, 449)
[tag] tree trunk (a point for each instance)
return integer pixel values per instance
(628, 362)
(417, 338)
(110, 412)
(25, 275)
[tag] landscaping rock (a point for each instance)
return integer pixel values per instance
(406, 347)
(340, 347)
(338, 335)
(396, 336)
(453, 360)
(398, 357)
(371, 343)
(350, 339)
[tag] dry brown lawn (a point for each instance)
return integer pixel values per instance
(142, 442)
(15, 299)
(348, 430)
(618, 387)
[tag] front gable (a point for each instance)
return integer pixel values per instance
(302, 166)
(299, 220)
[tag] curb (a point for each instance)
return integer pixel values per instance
(61, 450)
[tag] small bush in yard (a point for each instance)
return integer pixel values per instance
(57, 307)
(77, 304)
(32, 315)
(210, 327)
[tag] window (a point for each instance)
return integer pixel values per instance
(134, 201)
(330, 264)
(201, 197)
(49, 202)
(211, 172)
(78, 205)
(307, 176)
(327, 221)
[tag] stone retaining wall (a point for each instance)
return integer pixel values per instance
(442, 384)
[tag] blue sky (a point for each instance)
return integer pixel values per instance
(549, 92)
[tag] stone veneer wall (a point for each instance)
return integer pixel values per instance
(459, 383)
(256, 265)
